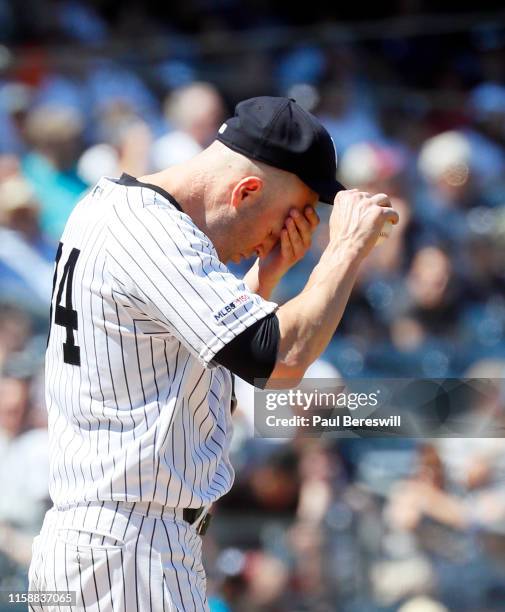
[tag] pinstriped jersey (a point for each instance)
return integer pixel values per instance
(137, 408)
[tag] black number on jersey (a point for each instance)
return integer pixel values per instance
(66, 316)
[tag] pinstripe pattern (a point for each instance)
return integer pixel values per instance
(119, 560)
(144, 421)
(146, 415)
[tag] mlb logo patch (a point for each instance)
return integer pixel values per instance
(223, 313)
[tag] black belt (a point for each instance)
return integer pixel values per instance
(191, 515)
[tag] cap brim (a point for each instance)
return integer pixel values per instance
(327, 190)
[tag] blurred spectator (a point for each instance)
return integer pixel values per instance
(487, 135)
(444, 161)
(347, 117)
(457, 487)
(127, 147)
(452, 189)
(54, 133)
(15, 100)
(26, 257)
(195, 113)
(9, 166)
(377, 168)
(367, 165)
(302, 64)
(23, 475)
(422, 604)
(430, 310)
(267, 579)
(15, 332)
(115, 85)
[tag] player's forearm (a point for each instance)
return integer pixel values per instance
(308, 321)
(252, 280)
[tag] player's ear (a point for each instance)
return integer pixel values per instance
(247, 190)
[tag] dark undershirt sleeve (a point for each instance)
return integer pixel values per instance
(253, 353)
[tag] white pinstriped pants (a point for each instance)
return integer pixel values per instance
(119, 557)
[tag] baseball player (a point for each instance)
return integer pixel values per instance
(147, 327)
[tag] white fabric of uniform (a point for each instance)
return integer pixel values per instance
(145, 418)
(118, 559)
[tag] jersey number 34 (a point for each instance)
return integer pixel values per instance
(65, 315)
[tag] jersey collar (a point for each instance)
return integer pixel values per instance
(130, 181)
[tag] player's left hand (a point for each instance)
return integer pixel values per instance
(293, 244)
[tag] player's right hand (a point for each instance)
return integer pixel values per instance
(357, 219)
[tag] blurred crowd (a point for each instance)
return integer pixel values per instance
(355, 525)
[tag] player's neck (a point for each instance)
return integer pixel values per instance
(190, 187)
(180, 184)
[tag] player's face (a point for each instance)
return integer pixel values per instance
(260, 227)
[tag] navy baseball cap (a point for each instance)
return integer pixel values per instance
(279, 132)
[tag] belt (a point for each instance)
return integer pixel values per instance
(199, 517)
(191, 516)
